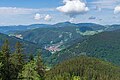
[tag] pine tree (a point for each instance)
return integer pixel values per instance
(1, 70)
(19, 54)
(17, 59)
(6, 50)
(6, 70)
(29, 72)
(39, 65)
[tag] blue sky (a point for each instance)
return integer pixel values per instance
(25, 12)
(30, 3)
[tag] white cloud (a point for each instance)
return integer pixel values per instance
(108, 4)
(71, 20)
(97, 8)
(37, 16)
(47, 18)
(73, 7)
(117, 10)
(15, 10)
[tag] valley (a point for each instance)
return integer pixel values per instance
(66, 41)
(59, 39)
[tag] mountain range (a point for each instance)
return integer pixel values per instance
(66, 40)
(58, 36)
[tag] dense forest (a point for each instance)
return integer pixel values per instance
(17, 66)
(104, 46)
(65, 32)
(59, 39)
(84, 68)
(28, 47)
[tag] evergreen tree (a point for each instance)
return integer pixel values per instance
(84, 68)
(1, 70)
(6, 51)
(29, 72)
(19, 55)
(34, 69)
(39, 65)
(17, 59)
(6, 68)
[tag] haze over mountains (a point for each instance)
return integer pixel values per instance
(58, 36)
(8, 29)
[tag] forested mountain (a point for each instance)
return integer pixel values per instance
(112, 27)
(103, 45)
(84, 68)
(83, 27)
(59, 40)
(95, 51)
(28, 47)
(58, 35)
(14, 28)
(14, 67)
(61, 35)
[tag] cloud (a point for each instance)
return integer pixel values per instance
(105, 4)
(73, 7)
(92, 18)
(17, 11)
(100, 19)
(117, 10)
(97, 8)
(71, 20)
(14, 10)
(37, 16)
(47, 18)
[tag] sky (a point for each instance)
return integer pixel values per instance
(26, 12)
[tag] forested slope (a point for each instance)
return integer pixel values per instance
(104, 46)
(84, 68)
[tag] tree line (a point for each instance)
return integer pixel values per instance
(16, 66)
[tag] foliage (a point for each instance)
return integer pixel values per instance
(84, 68)
(39, 65)
(17, 59)
(104, 46)
(5, 60)
(13, 65)
(31, 57)
(33, 70)
(29, 73)
(27, 47)
(64, 32)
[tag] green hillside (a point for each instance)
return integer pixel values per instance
(84, 68)
(44, 36)
(104, 46)
(60, 35)
(28, 47)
